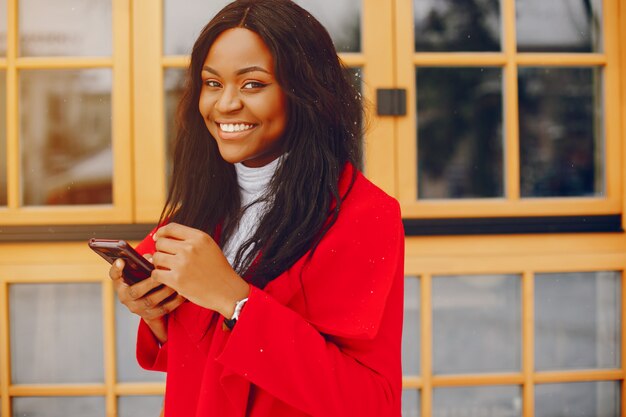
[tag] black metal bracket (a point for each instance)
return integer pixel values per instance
(391, 102)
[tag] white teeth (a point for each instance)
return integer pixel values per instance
(235, 127)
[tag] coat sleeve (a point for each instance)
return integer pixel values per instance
(340, 355)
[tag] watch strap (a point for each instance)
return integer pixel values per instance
(230, 323)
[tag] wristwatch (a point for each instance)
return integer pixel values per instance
(230, 323)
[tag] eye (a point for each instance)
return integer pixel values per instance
(211, 83)
(251, 85)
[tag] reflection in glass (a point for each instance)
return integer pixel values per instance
(410, 403)
(559, 26)
(67, 28)
(139, 406)
(128, 370)
(56, 333)
(476, 324)
(499, 400)
(66, 136)
(183, 24)
(459, 134)
(578, 399)
(452, 25)
(3, 27)
(342, 19)
(411, 327)
(561, 132)
(59, 406)
(577, 320)
(174, 79)
(3, 139)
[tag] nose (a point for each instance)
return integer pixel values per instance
(229, 101)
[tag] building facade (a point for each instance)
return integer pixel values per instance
(499, 125)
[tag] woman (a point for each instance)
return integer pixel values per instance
(279, 267)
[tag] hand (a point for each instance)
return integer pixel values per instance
(147, 298)
(189, 261)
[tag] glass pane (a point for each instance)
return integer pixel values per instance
(3, 139)
(140, 406)
(559, 26)
(410, 403)
(68, 28)
(174, 79)
(56, 333)
(66, 136)
(342, 19)
(459, 135)
(59, 406)
(411, 327)
(476, 324)
(183, 24)
(578, 399)
(500, 401)
(561, 132)
(128, 370)
(452, 25)
(577, 320)
(3, 27)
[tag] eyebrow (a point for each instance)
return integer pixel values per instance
(238, 72)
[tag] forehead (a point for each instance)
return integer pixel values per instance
(237, 48)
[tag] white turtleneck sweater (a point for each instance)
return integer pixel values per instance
(253, 183)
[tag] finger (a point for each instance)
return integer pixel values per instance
(115, 272)
(165, 308)
(148, 256)
(158, 296)
(171, 305)
(168, 245)
(165, 276)
(162, 260)
(175, 231)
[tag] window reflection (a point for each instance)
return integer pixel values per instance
(452, 25)
(342, 19)
(3, 139)
(559, 26)
(182, 25)
(472, 316)
(597, 399)
(68, 28)
(459, 136)
(577, 320)
(561, 133)
(56, 333)
(411, 327)
(140, 406)
(494, 401)
(128, 370)
(174, 79)
(66, 137)
(59, 406)
(410, 403)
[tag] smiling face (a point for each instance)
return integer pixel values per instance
(241, 102)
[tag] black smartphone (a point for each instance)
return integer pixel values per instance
(136, 267)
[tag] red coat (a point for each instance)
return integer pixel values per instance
(333, 351)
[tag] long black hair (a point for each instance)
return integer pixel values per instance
(322, 134)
